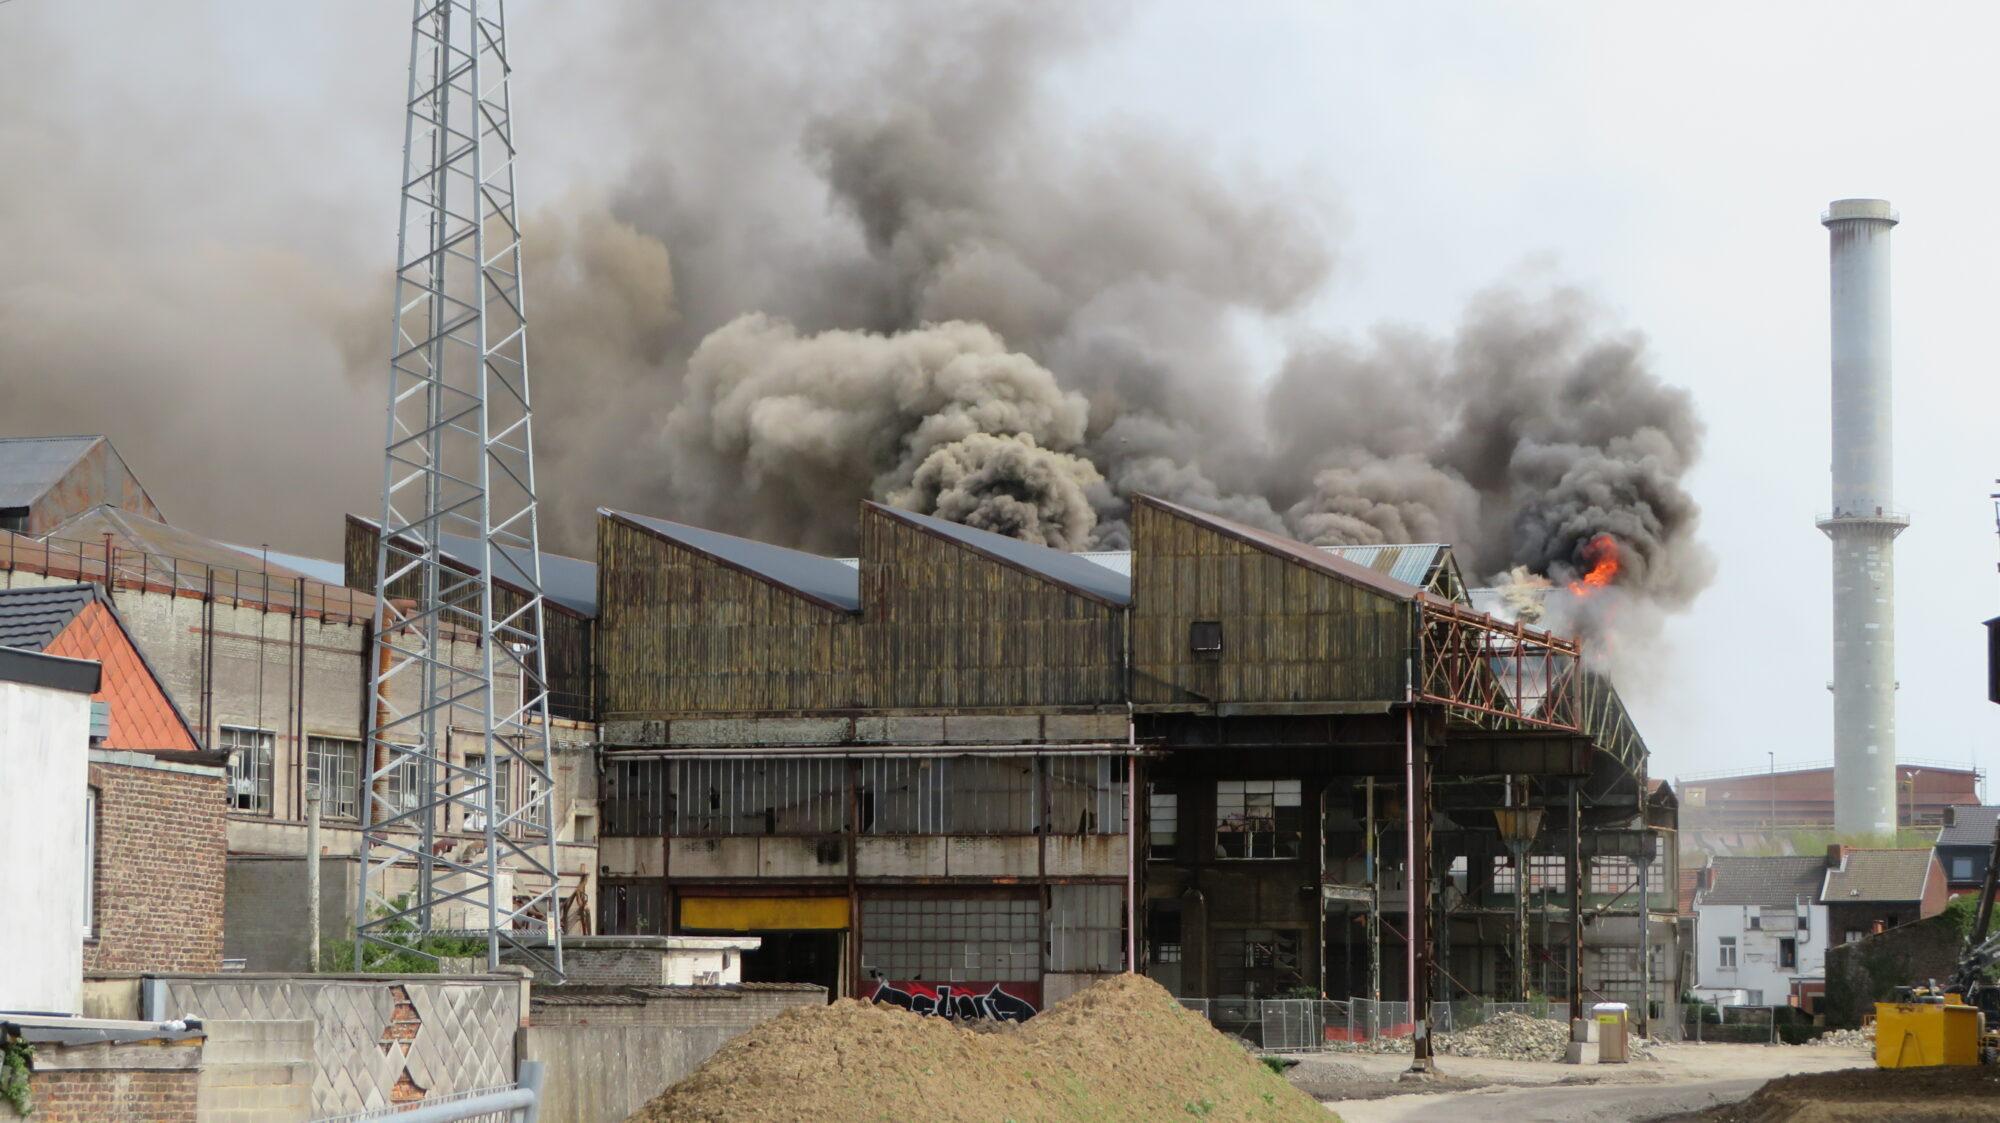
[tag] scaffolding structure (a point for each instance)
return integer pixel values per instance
(450, 663)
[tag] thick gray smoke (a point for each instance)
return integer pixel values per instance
(791, 257)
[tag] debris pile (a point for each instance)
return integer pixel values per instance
(1120, 1049)
(1509, 1037)
(1863, 1038)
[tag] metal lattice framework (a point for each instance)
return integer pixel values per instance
(459, 683)
(1496, 674)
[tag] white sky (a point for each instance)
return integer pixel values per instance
(1671, 160)
(1674, 161)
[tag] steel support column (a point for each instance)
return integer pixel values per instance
(1416, 890)
(1575, 900)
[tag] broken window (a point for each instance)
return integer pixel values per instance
(1257, 961)
(1163, 820)
(249, 766)
(1258, 818)
(1086, 794)
(1163, 931)
(1205, 638)
(334, 766)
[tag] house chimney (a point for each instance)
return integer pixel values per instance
(1951, 814)
(1836, 857)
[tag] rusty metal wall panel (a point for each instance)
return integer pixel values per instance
(681, 633)
(949, 627)
(445, 1035)
(1289, 633)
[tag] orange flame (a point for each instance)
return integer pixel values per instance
(1602, 554)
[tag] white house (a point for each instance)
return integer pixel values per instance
(1760, 926)
(45, 828)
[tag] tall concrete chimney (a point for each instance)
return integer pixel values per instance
(1864, 523)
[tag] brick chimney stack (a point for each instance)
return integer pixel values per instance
(1836, 856)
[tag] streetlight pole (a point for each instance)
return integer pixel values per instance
(1771, 789)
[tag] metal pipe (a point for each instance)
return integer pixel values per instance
(1575, 902)
(312, 877)
(1132, 843)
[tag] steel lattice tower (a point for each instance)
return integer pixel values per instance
(458, 667)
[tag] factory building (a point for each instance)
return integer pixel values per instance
(962, 761)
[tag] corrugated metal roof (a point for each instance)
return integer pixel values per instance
(570, 582)
(1411, 562)
(1879, 876)
(319, 569)
(1970, 826)
(1777, 882)
(33, 616)
(1312, 557)
(1062, 568)
(30, 466)
(1117, 561)
(817, 578)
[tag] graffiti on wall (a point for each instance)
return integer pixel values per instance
(964, 1001)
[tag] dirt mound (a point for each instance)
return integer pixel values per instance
(1868, 1095)
(1121, 1049)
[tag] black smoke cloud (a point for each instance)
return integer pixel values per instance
(800, 256)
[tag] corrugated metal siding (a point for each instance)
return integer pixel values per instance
(681, 633)
(1411, 563)
(947, 626)
(1290, 633)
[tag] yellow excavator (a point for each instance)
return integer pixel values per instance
(1957, 1023)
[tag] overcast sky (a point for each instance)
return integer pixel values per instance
(1673, 163)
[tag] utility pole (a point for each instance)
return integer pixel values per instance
(453, 659)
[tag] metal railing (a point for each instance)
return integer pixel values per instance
(125, 568)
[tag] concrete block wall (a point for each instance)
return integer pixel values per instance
(253, 1071)
(601, 1074)
(734, 1008)
(161, 847)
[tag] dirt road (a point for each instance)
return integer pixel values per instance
(1682, 1078)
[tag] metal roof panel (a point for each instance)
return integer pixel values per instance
(817, 578)
(1066, 569)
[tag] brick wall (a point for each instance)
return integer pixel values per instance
(161, 850)
(114, 1096)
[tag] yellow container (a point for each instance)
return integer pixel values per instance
(1921, 1034)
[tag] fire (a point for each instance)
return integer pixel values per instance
(1601, 552)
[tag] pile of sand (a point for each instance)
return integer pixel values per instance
(1868, 1095)
(1121, 1049)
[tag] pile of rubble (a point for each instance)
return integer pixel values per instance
(1509, 1037)
(1863, 1038)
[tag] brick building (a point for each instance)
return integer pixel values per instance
(156, 843)
(1869, 891)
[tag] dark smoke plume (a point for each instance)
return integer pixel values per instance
(793, 257)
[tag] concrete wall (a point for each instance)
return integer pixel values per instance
(601, 1074)
(44, 746)
(736, 1008)
(255, 1071)
(161, 845)
(267, 909)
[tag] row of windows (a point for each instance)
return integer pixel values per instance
(333, 764)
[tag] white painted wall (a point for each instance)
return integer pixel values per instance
(1757, 952)
(44, 776)
(712, 960)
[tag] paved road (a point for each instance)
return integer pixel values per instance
(1578, 1103)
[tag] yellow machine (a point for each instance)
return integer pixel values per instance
(1932, 1030)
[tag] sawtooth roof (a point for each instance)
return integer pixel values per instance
(1312, 557)
(1777, 882)
(30, 466)
(1065, 569)
(1412, 562)
(1970, 826)
(570, 582)
(1879, 877)
(821, 579)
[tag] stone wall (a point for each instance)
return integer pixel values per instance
(1860, 974)
(161, 847)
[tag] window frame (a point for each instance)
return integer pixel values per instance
(260, 756)
(90, 809)
(1725, 953)
(1252, 808)
(1788, 953)
(1162, 843)
(340, 799)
